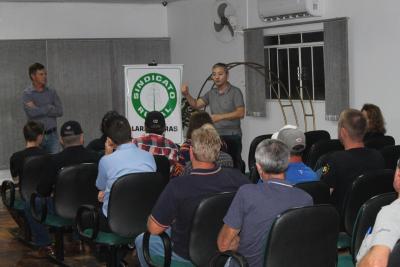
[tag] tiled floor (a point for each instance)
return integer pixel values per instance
(14, 253)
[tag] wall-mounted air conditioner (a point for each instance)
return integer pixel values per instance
(274, 10)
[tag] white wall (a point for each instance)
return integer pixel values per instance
(81, 20)
(373, 54)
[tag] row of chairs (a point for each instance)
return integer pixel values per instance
(126, 224)
(319, 143)
(75, 187)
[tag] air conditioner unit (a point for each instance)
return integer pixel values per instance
(274, 10)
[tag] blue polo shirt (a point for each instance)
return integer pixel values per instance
(179, 200)
(254, 209)
(298, 172)
(127, 158)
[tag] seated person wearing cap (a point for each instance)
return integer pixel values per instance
(176, 205)
(255, 206)
(297, 171)
(156, 143)
(71, 138)
(340, 168)
(33, 134)
(121, 158)
(377, 245)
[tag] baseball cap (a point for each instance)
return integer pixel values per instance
(154, 120)
(287, 126)
(70, 128)
(293, 138)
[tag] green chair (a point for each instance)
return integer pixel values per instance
(75, 186)
(206, 224)
(131, 200)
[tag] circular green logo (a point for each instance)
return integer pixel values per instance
(141, 87)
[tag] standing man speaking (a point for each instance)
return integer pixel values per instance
(227, 109)
(42, 104)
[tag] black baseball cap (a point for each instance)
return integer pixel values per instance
(70, 128)
(154, 120)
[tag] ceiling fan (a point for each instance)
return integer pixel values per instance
(225, 22)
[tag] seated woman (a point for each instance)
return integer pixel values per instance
(376, 123)
(197, 120)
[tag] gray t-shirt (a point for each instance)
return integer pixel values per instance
(228, 101)
(254, 209)
(386, 231)
(48, 106)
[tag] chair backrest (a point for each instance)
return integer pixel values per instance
(163, 166)
(308, 233)
(380, 142)
(364, 187)
(34, 168)
(132, 198)
(206, 224)
(313, 137)
(322, 148)
(318, 190)
(252, 150)
(394, 258)
(366, 218)
(254, 176)
(391, 154)
(75, 186)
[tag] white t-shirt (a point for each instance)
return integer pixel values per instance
(386, 231)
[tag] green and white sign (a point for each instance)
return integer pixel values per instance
(150, 88)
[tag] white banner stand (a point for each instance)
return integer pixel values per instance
(150, 88)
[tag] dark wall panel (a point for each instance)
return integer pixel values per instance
(80, 72)
(86, 73)
(15, 57)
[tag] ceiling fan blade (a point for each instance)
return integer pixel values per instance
(218, 26)
(221, 10)
(230, 28)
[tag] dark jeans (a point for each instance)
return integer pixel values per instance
(39, 231)
(234, 148)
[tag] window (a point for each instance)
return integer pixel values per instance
(297, 59)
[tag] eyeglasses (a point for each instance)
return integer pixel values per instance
(398, 163)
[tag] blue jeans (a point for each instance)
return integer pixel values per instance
(50, 143)
(156, 248)
(40, 234)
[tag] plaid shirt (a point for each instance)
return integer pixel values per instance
(159, 145)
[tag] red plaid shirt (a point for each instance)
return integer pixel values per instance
(159, 145)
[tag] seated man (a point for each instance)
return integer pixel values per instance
(71, 138)
(377, 246)
(297, 171)
(97, 144)
(33, 134)
(255, 206)
(340, 168)
(177, 203)
(155, 142)
(197, 120)
(121, 158)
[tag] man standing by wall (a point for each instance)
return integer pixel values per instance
(42, 104)
(227, 109)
